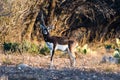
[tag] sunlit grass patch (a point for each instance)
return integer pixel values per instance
(108, 70)
(6, 60)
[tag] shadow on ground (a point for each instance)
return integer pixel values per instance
(31, 73)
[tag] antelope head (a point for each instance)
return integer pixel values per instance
(43, 26)
(45, 30)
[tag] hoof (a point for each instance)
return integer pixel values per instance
(51, 67)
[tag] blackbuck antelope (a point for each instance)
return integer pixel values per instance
(59, 43)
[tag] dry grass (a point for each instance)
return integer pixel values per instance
(88, 67)
(89, 61)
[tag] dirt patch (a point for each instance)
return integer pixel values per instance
(88, 67)
(12, 73)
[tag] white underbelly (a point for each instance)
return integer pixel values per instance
(61, 47)
(58, 46)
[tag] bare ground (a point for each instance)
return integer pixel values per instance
(88, 67)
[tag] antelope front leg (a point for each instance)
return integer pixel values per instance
(73, 59)
(51, 59)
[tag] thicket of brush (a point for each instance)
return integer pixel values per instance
(24, 47)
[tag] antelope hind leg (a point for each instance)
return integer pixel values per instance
(72, 58)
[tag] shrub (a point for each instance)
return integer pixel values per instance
(30, 47)
(108, 46)
(45, 50)
(7, 46)
(25, 46)
(13, 47)
(116, 53)
(83, 50)
(34, 48)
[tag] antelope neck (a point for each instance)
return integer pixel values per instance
(48, 39)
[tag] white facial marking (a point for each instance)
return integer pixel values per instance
(61, 47)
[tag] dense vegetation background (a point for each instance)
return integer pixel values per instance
(95, 24)
(86, 20)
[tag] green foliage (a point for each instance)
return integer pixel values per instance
(26, 46)
(108, 46)
(30, 47)
(84, 51)
(7, 46)
(44, 50)
(13, 47)
(117, 53)
(34, 48)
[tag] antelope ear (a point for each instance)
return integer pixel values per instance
(50, 28)
(42, 19)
